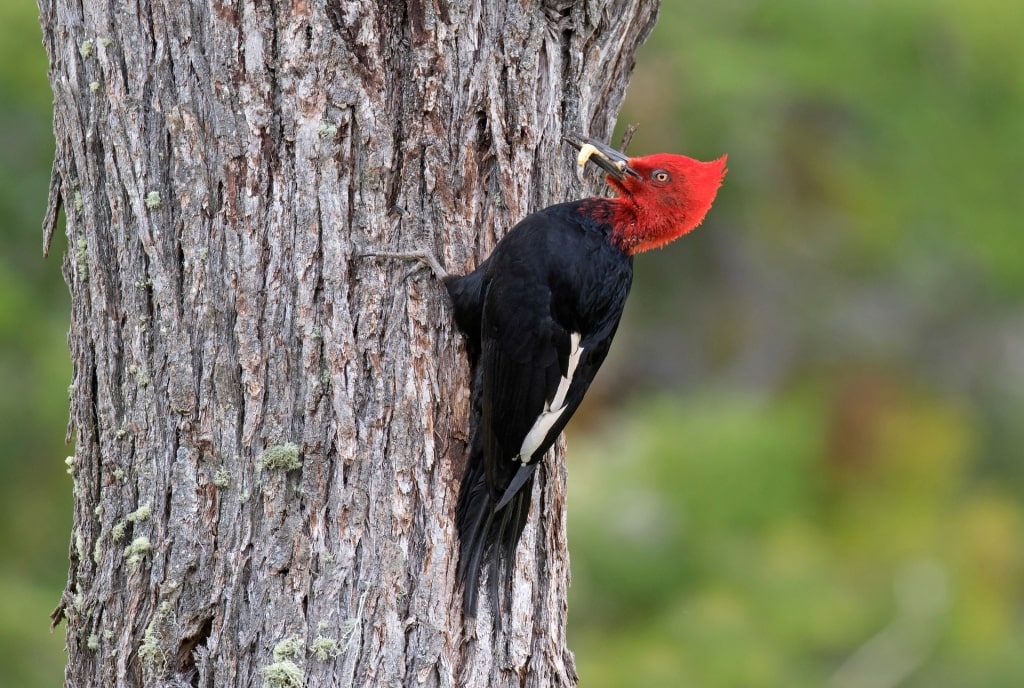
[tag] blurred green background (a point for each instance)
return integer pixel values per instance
(801, 465)
(35, 368)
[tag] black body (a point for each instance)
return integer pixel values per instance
(556, 273)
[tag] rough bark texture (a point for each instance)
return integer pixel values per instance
(269, 428)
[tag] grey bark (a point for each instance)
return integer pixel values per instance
(269, 429)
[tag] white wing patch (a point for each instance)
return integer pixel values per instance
(554, 408)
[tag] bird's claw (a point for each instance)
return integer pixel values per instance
(426, 258)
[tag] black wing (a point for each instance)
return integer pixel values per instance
(544, 322)
(540, 315)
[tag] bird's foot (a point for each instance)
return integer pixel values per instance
(426, 258)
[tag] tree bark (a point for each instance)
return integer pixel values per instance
(269, 427)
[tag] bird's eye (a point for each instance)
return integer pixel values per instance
(660, 176)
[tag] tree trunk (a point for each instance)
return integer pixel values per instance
(269, 427)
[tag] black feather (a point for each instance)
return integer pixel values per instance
(556, 273)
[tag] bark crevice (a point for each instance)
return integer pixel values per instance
(221, 168)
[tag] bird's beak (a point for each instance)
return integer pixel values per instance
(601, 154)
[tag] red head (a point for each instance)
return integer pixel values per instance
(660, 197)
(668, 197)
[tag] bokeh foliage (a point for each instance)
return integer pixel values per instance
(801, 466)
(35, 494)
(812, 475)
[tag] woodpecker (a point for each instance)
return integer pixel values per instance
(539, 315)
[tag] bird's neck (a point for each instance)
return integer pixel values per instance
(632, 230)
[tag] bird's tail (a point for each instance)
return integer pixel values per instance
(488, 533)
